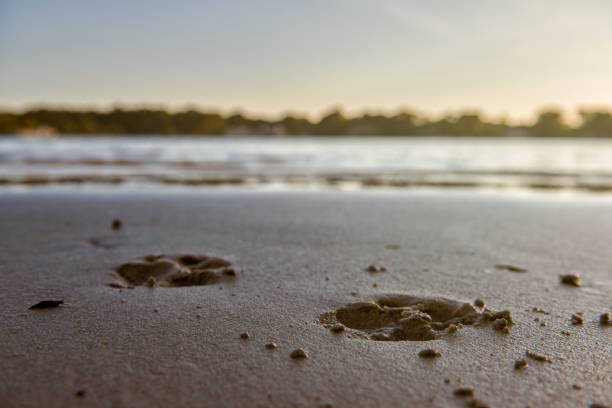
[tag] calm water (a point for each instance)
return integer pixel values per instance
(347, 162)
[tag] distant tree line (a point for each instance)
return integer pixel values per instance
(550, 123)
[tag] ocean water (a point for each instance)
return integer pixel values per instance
(309, 162)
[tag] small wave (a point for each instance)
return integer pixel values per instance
(329, 181)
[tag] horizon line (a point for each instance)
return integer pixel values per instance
(569, 116)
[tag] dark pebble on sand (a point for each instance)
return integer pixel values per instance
(464, 392)
(229, 272)
(116, 225)
(429, 354)
(511, 268)
(45, 304)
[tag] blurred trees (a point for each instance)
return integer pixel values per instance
(8, 123)
(334, 123)
(550, 123)
(595, 123)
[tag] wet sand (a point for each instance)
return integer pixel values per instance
(298, 257)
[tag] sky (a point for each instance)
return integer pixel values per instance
(268, 57)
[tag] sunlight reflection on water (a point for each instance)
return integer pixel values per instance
(353, 162)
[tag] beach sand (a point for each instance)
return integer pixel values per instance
(299, 257)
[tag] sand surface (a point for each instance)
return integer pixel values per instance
(298, 257)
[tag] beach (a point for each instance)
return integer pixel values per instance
(299, 256)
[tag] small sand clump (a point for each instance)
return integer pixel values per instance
(464, 392)
(479, 303)
(537, 357)
(373, 269)
(476, 403)
(244, 335)
(538, 310)
(502, 321)
(604, 320)
(271, 346)
(299, 353)
(571, 280)
(501, 325)
(429, 354)
(520, 364)
(577, 320)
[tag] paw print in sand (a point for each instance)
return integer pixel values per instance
(175, 270)
(403, 317)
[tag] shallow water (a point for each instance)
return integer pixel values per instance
(305, 162)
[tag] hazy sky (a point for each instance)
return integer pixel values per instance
(270, 56)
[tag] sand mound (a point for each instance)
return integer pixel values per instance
(403, 317)
(175, 270)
